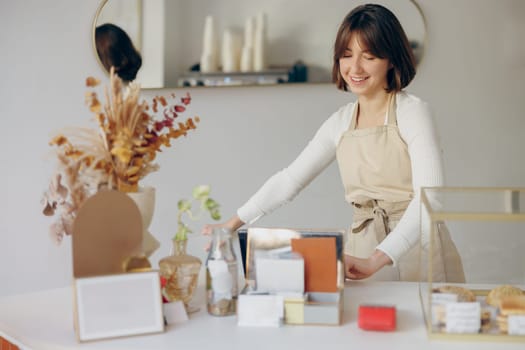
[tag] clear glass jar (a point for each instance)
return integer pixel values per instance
(221, 275)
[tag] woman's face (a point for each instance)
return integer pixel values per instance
(364, 73)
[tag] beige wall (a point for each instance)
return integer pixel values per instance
(472, 77)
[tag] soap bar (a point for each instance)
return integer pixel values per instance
(377, 317)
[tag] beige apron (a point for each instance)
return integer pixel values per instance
(377, 176)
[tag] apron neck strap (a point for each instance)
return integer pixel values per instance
(391, 112)
(353, 122)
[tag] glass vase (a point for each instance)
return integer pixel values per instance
(181, 272)
(221, 275)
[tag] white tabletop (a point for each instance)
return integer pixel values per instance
(44, 320)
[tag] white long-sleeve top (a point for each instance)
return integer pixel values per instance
(416, 129)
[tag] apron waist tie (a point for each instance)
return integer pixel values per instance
(378, 212)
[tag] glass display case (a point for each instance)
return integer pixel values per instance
(487, 227)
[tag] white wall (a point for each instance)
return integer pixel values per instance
(472, 77)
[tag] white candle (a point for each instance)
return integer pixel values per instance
(209, 50)
(247, 59)
(231, 51)
(246, 63)
(259, 47)
(249, 31)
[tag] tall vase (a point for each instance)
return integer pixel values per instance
(181, 272)
(144, 198)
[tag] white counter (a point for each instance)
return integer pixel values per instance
(44, 320)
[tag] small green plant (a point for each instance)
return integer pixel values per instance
(201, 195)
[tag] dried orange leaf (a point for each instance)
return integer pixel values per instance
(133, 179)
(58, 140)
(132, 170)
(88, 160)
(91, 82)
(190, 124)
(137, 161)
(74, 153)
(101, 118)
(142, 150)
(95, 105)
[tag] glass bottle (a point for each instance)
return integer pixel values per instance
(221, 275)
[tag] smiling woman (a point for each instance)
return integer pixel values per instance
(169, 35)
(386, 150)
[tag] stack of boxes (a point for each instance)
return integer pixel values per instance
(296, 281)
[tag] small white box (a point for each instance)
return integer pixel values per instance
(324, 308)
(275, 275)
(260, 310)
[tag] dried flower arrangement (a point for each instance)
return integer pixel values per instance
(117, 155)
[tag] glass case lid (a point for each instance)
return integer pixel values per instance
(498, 203)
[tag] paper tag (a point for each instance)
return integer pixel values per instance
(444, 298)
(221, 279)
(463, 317)
(516, 324)
(175, 312)
(439, 300)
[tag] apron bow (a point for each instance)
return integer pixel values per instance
(372, 211)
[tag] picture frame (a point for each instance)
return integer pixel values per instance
(119, 305)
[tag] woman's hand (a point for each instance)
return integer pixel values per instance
(232, 224)
(359, 268)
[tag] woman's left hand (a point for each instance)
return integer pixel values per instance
(359, 268)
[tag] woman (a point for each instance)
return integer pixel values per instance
(115, 48)
(386, 149)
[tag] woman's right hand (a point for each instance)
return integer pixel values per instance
(208, 228)
(232, 224)
(359, 268)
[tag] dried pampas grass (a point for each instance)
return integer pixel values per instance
(116, 155)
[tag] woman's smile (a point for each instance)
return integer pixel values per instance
(358, 80)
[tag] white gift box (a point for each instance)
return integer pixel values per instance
(277, 274)
(260, 310)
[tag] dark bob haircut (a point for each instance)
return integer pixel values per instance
(381, 33)
(114, 48)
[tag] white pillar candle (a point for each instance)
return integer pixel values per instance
(247, 59)
(259, 45)
(247, 49)
(231, 51)
(209, 47)
(249, 31)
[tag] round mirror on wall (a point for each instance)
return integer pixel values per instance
(173, 35)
